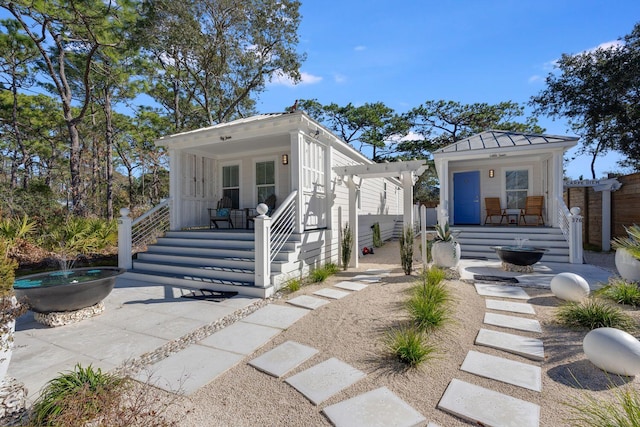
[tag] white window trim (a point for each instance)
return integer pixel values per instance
(504, 171)
(276, 170)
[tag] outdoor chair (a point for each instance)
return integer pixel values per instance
(492, 206)
(222, 213)
(532, 207)
(252, 213)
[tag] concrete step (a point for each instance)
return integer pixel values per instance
(195, 270)
(216, 252)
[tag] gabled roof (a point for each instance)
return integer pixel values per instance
(495, 139)
(243, 120)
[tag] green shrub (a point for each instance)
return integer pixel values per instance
(426, 313)
(377, 239)
(320, 274)
(594, 313)
(293, 285)
(332, 268)
(83, 391)
(622, 292)
(623, 411)
(407, 345)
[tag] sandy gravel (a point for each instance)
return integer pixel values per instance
(352, 329)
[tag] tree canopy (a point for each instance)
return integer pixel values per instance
(599, 93)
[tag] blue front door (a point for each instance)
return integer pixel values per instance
(466, 198)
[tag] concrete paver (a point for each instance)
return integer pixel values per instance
(487, 407)
(307, 301)
(331, 293)
(514, 307)
(241, 337)
(283, 358)
(276, 316)
(325, 379)
(503, 291)
(512, 322)
(351, 286)
(531, 348)
(505, 370)
(376, 408)
(367, 278)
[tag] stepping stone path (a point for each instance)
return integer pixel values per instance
(367, 278)
(307, 301)
(320, 382)
(488, 407)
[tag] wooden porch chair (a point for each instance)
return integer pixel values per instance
(492, 206)
(252, 213)
(222, 213)
(533, 207)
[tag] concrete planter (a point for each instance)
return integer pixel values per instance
(445, 254)
(6, 343)
(628, 266)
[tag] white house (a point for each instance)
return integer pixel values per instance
(509, 166)
(320, 184)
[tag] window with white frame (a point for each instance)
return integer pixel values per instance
(231, 184)
(265, 180)
(516, 188)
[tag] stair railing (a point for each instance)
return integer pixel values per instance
(570, 222)
(135, 235)
(271, 233)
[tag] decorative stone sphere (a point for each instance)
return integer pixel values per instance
(124, 211)
(613, 350)
(262, 209)
(570, 287)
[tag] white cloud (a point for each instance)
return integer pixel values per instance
(615, 44)
(339, 78)
(279, 78)
(360, 48)
(535, 78)
(411, 136)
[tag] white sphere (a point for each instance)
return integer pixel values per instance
(124, 211)
(262, 208)
(570, 287)
(613, 350)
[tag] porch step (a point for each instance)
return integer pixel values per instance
(215, 260)
(476, 242)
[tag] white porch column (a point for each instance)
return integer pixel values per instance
(442, 169)
(175, 193)
(557, 187)
(125, 259)
(606, 186)
(354, 196)
(296, 162)
(407, 204)
(262, 233)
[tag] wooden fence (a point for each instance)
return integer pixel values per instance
(625, 209)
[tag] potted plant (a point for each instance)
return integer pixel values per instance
(10, 308)
(628, 254)
(445, 250)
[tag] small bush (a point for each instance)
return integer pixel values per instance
(407, 345)
(622, 292)
(406, 250)
(594, 313)
(293, 285)
(332, 268)
(426, 313)
(346, 245)
(320, 274)
(623, 411)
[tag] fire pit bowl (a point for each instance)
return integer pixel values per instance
(519, 255)
(66, 290)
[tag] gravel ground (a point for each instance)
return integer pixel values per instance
(353, 330)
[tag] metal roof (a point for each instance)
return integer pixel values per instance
(492, 139)
(223, 125)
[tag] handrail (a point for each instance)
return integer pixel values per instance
(564, 218)
(283, 223)
(152, 224)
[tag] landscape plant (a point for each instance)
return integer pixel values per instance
(406, 250)
(427, 305)
(594, 313)
(293, 285)
(346, 246)
(408, 345)
(622, 411)
(377, 239)
(631, 243)
(621, 291)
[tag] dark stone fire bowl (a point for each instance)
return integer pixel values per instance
(519, 255)
(66, 290)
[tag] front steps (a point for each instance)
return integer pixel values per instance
(476, 241)
(215, 260)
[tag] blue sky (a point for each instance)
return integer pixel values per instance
(405, 52)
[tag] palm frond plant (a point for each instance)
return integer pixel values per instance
(631, 243)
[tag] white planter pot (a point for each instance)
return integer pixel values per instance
(445, 254)
(628, 266)
(6, 344)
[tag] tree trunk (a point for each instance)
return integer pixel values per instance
(108, 120)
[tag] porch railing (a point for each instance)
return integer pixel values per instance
(270, 236)
(570, 222)
(135, 235)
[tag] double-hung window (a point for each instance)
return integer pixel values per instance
(265, 180)
(231, 184)
(516, 188)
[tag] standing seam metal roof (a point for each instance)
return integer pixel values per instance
(502, 139)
